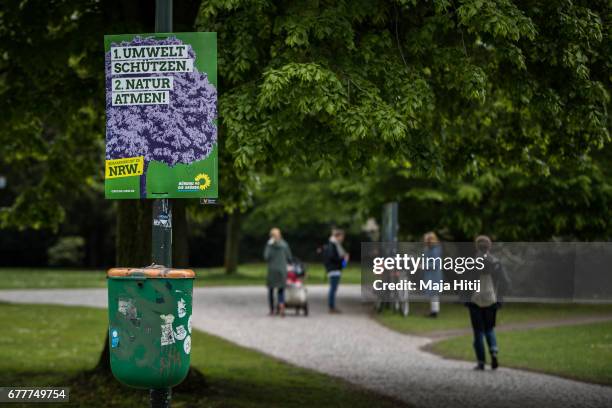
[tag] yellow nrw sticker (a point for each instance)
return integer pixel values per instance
(131, 166)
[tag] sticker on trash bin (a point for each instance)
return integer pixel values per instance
(114, 338)
(181, 308)
(167, 334)
(189, 324)
(181, 333)
(127, 308)
(187, 345)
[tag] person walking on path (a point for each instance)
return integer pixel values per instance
(484, 304)
(335, 259)
(432, 270)
(278, 255)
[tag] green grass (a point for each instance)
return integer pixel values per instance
(580, 352)
(55, 345)
(455, 316)
(21, 278)
(255, 274)
(248, 274)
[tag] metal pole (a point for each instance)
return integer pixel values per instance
(161, 246)
(163, 16)
(162, 208)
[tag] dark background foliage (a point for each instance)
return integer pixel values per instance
(477, 117)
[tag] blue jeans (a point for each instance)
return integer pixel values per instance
(280, 295)
(483, 326)
(479, 347)
(334, 281)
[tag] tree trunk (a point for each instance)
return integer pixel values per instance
(104, 360)
(180, 242)
(232, 242)
(133, 247)
(134, 233)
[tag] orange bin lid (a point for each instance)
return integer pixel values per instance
(151, 272)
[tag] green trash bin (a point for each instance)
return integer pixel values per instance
(149, 312)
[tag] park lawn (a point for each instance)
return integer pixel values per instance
(39, 278)
(255, 274)
(454, 316)
(44, 345)
(582, 352)
(248, 274)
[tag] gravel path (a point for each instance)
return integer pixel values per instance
(354, 347)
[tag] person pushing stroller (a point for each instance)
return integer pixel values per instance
(278, 255)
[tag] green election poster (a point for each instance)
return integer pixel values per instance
(161, 116)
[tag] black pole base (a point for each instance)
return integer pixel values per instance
(160, 397)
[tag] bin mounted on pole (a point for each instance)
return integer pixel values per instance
(149, 313)
(161, 144)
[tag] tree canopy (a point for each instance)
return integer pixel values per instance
(52, 99)
(50, 88)
(461, 90)
(447, 86)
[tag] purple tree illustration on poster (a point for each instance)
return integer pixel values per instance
(182, 131)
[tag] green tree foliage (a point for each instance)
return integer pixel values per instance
(294, 202)
(453, 89)
(451, 86)
(67, 251)
(52, 98)
(427, 101)
(573, 202)
(49, 88)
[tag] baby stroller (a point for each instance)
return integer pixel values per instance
(296, 293)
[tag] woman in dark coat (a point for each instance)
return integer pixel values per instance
(278, 256)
